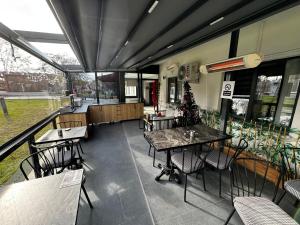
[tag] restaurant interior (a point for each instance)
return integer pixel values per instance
(149, 112)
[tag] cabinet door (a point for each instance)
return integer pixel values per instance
(124, 112)
(140, 110)
(108, 113)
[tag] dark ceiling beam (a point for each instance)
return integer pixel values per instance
(116, 70)
(198, 28)
(263, 13)
(14, 38)
(133, 30)
(177, 20)
(100, 31)
(59, 11)
(33, 36)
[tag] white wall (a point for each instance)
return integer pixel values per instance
(207, 91)
(275, 37)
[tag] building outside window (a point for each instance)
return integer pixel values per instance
(267, 93)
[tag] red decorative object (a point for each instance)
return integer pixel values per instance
(154, 96)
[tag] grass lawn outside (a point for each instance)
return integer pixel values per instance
(23, 113)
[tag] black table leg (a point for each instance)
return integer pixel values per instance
(168, 170)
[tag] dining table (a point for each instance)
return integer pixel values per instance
(68, 134)
(48, 200)
(167, 140)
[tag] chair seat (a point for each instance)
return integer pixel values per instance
(76, 141)
(293, 187)
(55, 158)
(192, 163)
(214, 156)
(261, 211)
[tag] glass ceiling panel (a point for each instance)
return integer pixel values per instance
(28, 15)
(60, 53)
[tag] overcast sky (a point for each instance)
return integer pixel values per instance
(33, 15)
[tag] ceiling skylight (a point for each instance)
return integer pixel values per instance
(28, 15)
(60, 53)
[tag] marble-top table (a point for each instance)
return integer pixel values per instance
(168, 139)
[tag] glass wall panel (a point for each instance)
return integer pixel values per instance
(289, 92)
(29, 88)
(266, 97)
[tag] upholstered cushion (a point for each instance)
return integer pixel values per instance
(293, 187)
(213, 157)
(261, 211)
(191, 162)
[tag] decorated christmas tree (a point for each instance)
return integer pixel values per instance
(188, 108)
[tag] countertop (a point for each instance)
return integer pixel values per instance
(84, 107)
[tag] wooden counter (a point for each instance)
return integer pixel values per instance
(115, 112)
(93, 114)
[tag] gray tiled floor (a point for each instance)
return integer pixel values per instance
(120, 182)
(112, 181)
(166, 198)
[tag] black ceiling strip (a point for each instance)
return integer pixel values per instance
(200, 27)
(100, 31)
(133, 30)
(268, 11)
(73, 39)
(177, 20)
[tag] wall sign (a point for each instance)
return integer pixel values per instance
(227, 89)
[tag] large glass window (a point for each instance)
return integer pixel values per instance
(266, 97)
(289, 92)
(267, 93)
(29, 91)
(131, 84)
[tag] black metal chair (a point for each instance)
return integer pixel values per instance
(221, 161)
(290, 177)
(71, 124)
(188, 162)
(158, 123)
(248, 186)
(49, 161)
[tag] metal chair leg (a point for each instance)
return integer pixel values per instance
(203, 178)
(280, 198)
(81, 148)
(229, 217)
(79, 155)
(87, 197)
(220, 182)
(153, 158)
(185, 184)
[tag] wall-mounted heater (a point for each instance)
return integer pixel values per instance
(238, 63)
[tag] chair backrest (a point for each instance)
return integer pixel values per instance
(160, 123)
(290, 163)
(248, 176)
(243, 144)
(69, 124)
(195, 158)
(49, 160)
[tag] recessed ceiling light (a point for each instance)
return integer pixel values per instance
(153, 6)
(216, 21)
(170, 46)
(126, 43)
